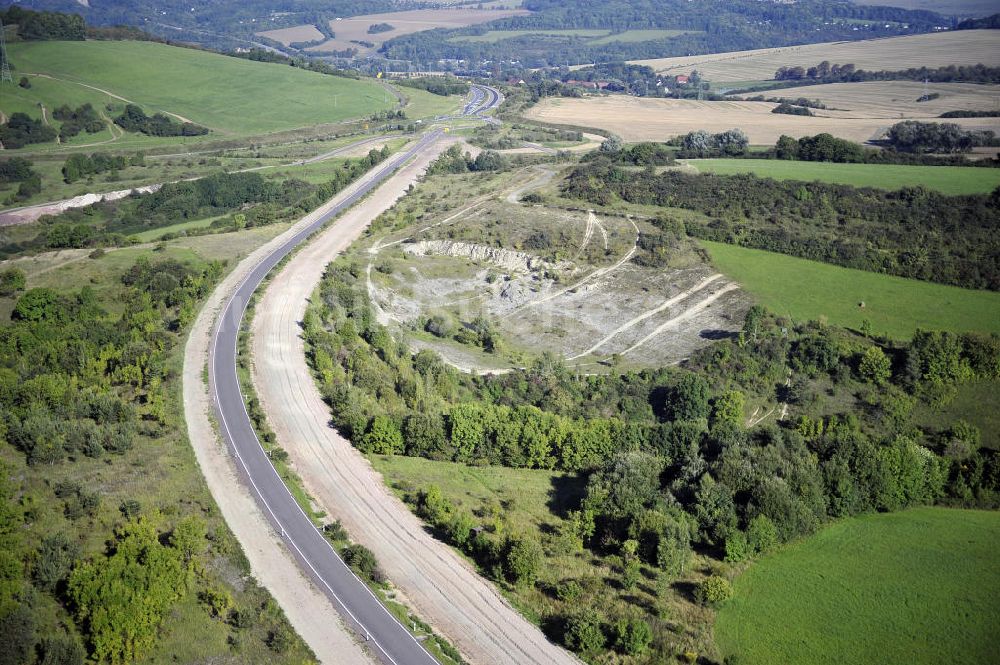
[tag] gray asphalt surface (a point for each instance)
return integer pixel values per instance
(361, 609)
(392, 642)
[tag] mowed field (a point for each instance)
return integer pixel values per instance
(228, 95)
(404, 23)
(952, 180)
(895, 306)
(911, 588)
(649, 119)
(895, 99)
(966, 47)
(298, 33)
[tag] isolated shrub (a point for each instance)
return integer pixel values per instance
(584, 632)
(522, 560)
(714, 590)
(12, 280)
(875, 367)
(738, 547)
(632, 636)
(383, 437)
(569, 590)
(762, 535)
(363, 561)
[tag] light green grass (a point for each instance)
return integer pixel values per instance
(494, 36)
(895, 306)
(632, 36)
(950, 180)
(977, 403)
(228, 95)
(422, 105)
(153, 234)
(910, 588)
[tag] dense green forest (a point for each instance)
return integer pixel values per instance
(666, 459)
(912, 232)
(714, 26)
(180, 20)
(88, 392)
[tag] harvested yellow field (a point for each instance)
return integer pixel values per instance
(966, 47)
(895, 99)
(405, 23)
(645, 119)
(299, 33)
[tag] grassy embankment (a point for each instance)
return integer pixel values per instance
(951, 180)
(904, 588)
(895, 306)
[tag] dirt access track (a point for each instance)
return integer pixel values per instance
(437, 583)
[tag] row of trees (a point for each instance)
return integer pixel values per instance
(36, 26)
(79, 165)
(134, 119)
(912, 232)
(21, 130)
(825, 72)
(81, 119)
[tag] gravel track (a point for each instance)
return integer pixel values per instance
(441, 586)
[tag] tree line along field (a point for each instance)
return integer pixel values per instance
(894, 306)
(951, 180)
(965, 47)
(895, 99)
(912, 587)
(652, 119)
(230, 96)
(592, 36)
(349, 31)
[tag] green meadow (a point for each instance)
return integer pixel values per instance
(895, 306)
(228, 95)
(952, 180)
(911, 588)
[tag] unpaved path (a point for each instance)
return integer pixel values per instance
(645, 315)
(441, 586)
(108, 93)
(600, 272)
(308, 610)
(695, 309)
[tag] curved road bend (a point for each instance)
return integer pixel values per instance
(437, 583)
(359, 606)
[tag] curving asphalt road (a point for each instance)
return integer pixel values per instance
(319, 560)
(361, 609)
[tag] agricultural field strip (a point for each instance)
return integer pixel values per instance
(645, 315)
(654, 119)
(686, 314)
(966, 47)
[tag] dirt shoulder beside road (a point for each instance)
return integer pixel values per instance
(440, 586)
(308, 610)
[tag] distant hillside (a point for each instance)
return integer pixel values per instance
(708, 26)
(228, 95)
(219, 23)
